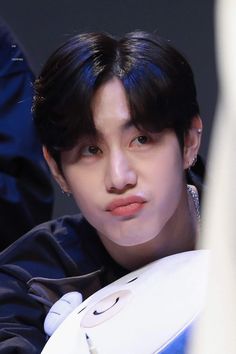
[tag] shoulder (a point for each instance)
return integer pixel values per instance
(53, 248)
(51, 251)
(58, 229)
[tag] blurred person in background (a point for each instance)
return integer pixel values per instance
(26, 195)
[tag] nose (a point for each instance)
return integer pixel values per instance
(120, 174)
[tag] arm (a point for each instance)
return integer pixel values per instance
(21, 317)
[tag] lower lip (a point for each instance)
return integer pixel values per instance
(127, 210)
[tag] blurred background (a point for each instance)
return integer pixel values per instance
(41, 26)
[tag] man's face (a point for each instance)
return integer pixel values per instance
(127, 182)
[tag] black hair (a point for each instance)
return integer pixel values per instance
(158, 81)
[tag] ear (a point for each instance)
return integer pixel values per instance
(192, 140)
(56, 172)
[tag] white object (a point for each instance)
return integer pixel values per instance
(217, 326)
(139, 313)
(60, 310)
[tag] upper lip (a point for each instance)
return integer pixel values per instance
(123, 202)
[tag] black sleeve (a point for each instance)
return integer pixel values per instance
(21, 320)
(44, 253)
(35, 271)
(26, 195)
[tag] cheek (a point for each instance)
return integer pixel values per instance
(83, 185)
(166, 167)
(167, 179)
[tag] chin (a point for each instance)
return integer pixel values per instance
(132, 238)
(132, 232)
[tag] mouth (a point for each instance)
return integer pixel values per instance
(126, 207)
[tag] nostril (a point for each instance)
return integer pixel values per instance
(122, 190)
(120, 175)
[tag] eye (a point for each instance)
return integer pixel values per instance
(90, 150)
(141, 140)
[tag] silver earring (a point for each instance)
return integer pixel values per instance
(194, 161)
(199, 131)
(68, 194)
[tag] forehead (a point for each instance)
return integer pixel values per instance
(110, 107)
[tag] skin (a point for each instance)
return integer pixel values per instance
(123, 161)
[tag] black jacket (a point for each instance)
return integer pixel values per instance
(54, 258)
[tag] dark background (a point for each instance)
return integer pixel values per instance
(41, 26)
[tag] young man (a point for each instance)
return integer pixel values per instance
(119, 122)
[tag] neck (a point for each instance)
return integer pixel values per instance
(178, 235)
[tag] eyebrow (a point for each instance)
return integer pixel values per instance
(128, 124)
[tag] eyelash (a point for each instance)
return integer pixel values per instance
(97, 150)
(89, 153)
(142, 136)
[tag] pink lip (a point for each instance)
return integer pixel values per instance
(126, 206)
